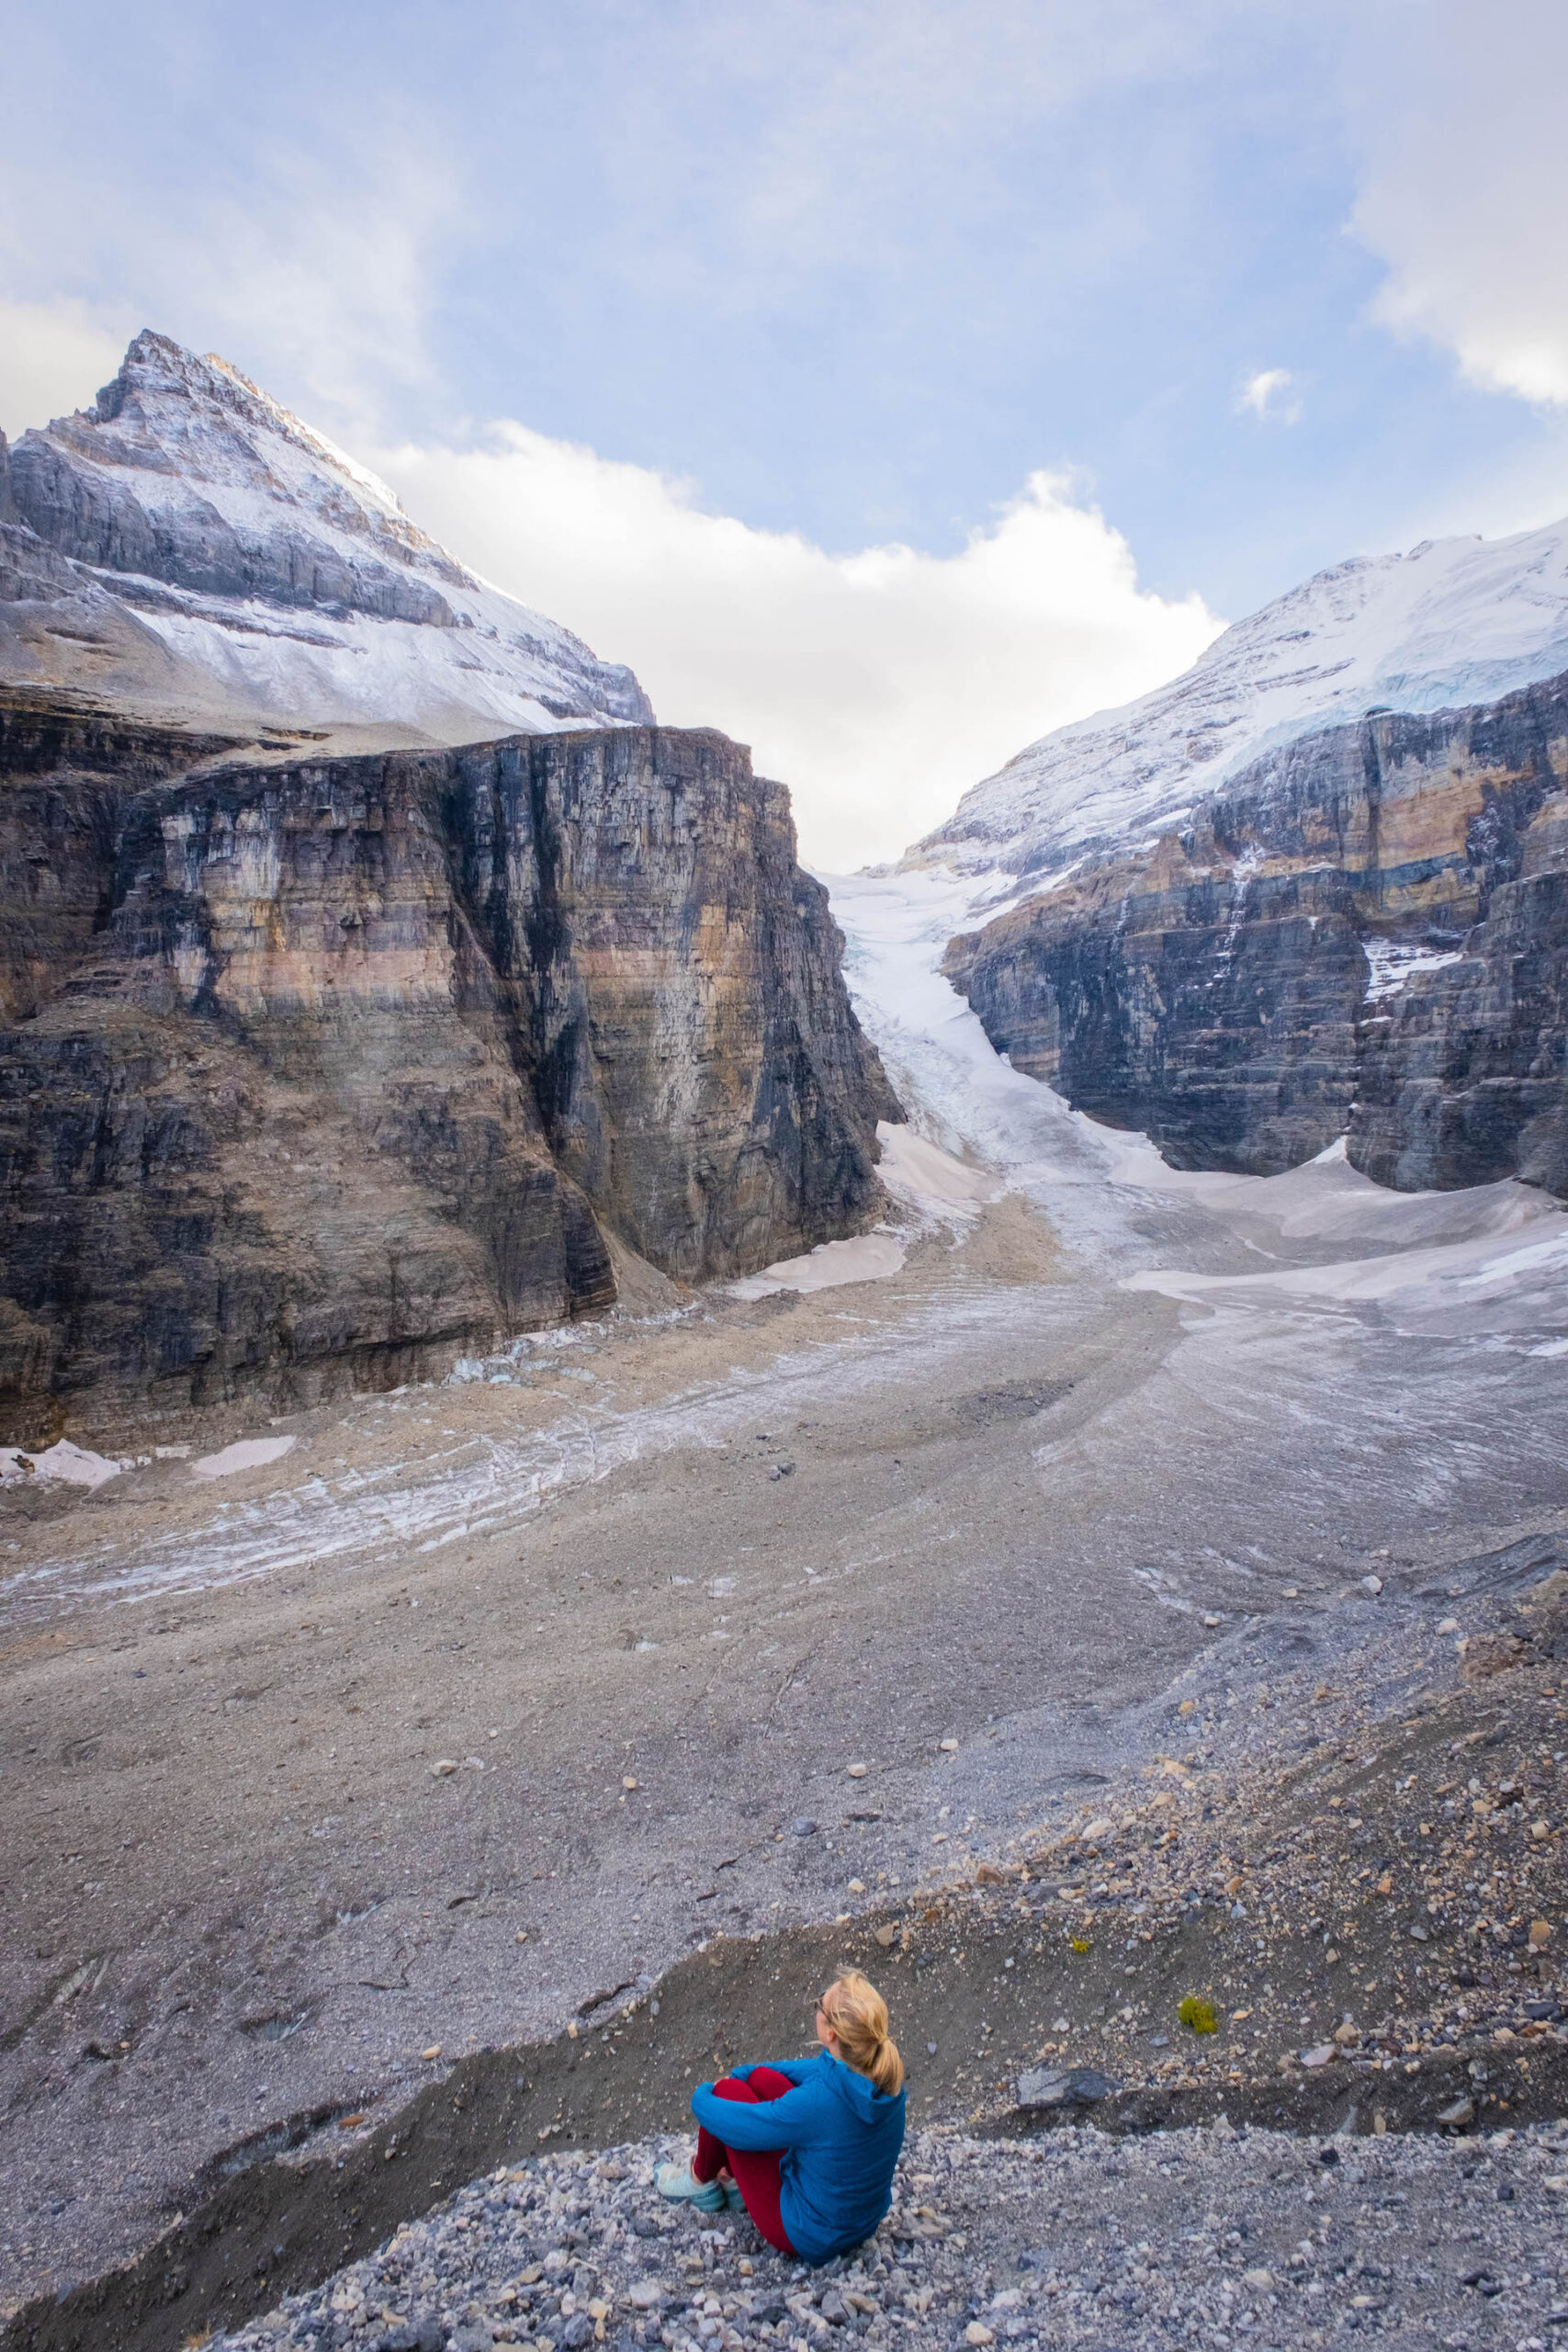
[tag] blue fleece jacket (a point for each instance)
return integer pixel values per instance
(840, 2136)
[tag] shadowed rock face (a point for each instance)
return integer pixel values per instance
(1367, 931)
(327, 1071)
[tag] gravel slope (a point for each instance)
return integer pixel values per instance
(1196, 2236)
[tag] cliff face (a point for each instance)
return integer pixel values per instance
(1366, 931)
(324, 1071)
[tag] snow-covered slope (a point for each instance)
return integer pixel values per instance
(1454, 622)
(188, 542)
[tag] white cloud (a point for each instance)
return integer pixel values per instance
(318, 276)
(1465, 203)
(877, 684)
(53, 357)
(1265, 395)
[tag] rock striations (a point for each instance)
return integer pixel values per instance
(1363, 929)
(326, 1071)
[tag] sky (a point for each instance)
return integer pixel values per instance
(886, 383)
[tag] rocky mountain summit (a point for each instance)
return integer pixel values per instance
(1455, 622)
(1250, 931)
(332, 1052)
(186, 548)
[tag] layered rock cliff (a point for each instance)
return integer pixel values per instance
(323, 1071)
(1364, 931)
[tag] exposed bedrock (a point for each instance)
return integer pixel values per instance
(325, 1072)
(1366, 932)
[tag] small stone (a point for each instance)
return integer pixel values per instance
(1324, 2054)
(886, 1936)
(442, 1769)
(644, 2294)
(948, 1747)
(803, 1827)
(833, 2308)
(1456, 2117)
(858, 1771)
(1098, 1831)
(1259, 2280)
(978, 2333)
(1345, 2035)
(628, 1781)
(856, 1887)
(1448, 1625)
(1539, 1935)
(433, 2051)
(1371, 1584)
(1211, 1621)
(1063, 2086)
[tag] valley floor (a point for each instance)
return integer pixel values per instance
(484, 1703)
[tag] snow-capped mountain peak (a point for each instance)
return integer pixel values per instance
(233, 561)
(1454, 621)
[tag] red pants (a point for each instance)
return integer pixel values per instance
(756, 2171)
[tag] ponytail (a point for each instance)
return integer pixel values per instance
(858, 2014)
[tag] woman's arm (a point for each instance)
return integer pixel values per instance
(786, 2122)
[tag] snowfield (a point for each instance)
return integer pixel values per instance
(1455, 621)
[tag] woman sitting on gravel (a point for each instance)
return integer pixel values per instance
(808, 2145)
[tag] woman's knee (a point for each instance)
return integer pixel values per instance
(766, 2083)
(731, 2087)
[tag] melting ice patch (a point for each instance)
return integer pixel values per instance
(866, 1257)
(245, 1453)
(74, 1465)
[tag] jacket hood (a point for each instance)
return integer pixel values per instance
(858, 2092)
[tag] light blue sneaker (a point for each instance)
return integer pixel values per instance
(675, 2181)
(733, 2201)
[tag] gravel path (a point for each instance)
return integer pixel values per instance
(1216, 2236)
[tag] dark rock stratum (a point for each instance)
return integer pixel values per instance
(322, 1071)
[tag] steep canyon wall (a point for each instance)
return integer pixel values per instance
(1365, 934)
(322, 1071)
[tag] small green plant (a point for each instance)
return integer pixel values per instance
(1197, 2014)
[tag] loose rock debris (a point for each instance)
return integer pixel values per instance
(1220, 2236)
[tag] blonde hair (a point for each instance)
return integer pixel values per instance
(858, 2016)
